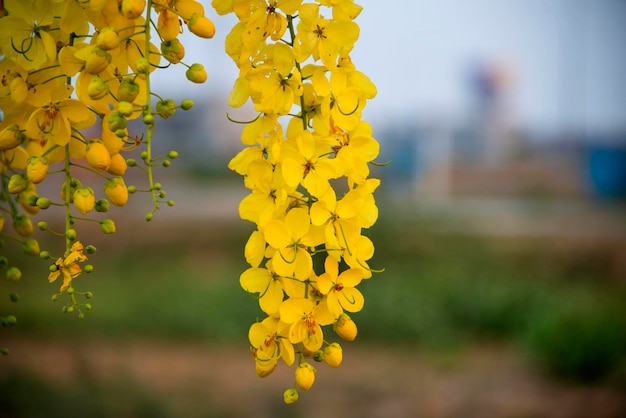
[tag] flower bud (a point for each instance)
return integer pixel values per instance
(84, 200)
(1, 222)
(43, 203)
(128, 90)
(37, 169)
(97, 88)
(98, 156)
(196, 73)
(333, 355)
(132, 9)
(13, 274)
(102, 205)
(118, 165)
(173, 50)
(142, 65)
(166, 108)
(11, 137)
(305, 376)
(126, 109)
(74, 184)
(17, 184)
(14, 297)
(107, 226)
(22, 225)
(71, 234)
(116, 121)
(97, 61)
(107, 39)
(116, 191)
(345, 328)
(31, 247)
(290, 396)
(201, 26)
(186, 104)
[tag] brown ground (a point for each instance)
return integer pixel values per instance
(198, 380)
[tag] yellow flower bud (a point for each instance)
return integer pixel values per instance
(201, 26)
(22, 225)
(128, 90)
(196, 73)
(97, 88)
(142, 65)
(107, 39)
(173, 50)
(11, 137)
(132, 9)
(27, 199)
(98, 156)
(333, 355)
(97, 61)
(118, 165)
(74, 184)
(290, 396)
(116, 191)
(305, 376)
(17, 184)
(345, 327)
(84, 200)
(126, 109)
(37, 169)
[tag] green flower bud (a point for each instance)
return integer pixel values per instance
(196, 73)
(43, 203)
(14, 297)
(126, 109)
(44, 255)
(166, 108)
(318, 356)
(142, 65)
(107, 226)
(173, 50)
(149, 216)
(17, 184)
(131, 162)
(128, 90)
(116, 121)
(13, 274)
(90, 249)
(102, 205)
(71, 234)
(170, 203)
(31, 199)
(22, 225)
(148, 119)
(88, 268)
(42, 225)
(88, 305)
(166, 163)
(172, 154)
(9, 320)
(186, 104)
(3, 261)
(31, 247)
(4, 351)
(89, 295)
(290, 396)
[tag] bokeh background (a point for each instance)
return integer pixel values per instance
(502, 232)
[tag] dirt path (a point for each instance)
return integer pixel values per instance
(200, 380)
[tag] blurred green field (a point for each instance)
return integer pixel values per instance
(559, 304)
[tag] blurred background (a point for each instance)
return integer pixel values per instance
(502, 232)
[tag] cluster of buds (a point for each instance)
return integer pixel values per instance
(306, 163)
(73, 74)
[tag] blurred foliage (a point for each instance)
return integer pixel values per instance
(439, 291)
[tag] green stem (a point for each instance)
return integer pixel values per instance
(292, 34)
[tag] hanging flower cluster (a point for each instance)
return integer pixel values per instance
(306, 164)
(73, 75)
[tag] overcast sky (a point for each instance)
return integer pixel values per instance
(565, 58)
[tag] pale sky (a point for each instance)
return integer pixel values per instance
(566, 58)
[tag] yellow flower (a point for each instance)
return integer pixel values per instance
(305, 320)
(340, 289)
(270, 342)
(24, 33)
(268, 196)
(290, 239)
(267, 284)
(323, 38)
(68, 267)
(57, 116)
(276, 85)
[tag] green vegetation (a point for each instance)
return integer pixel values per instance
(439, 291)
